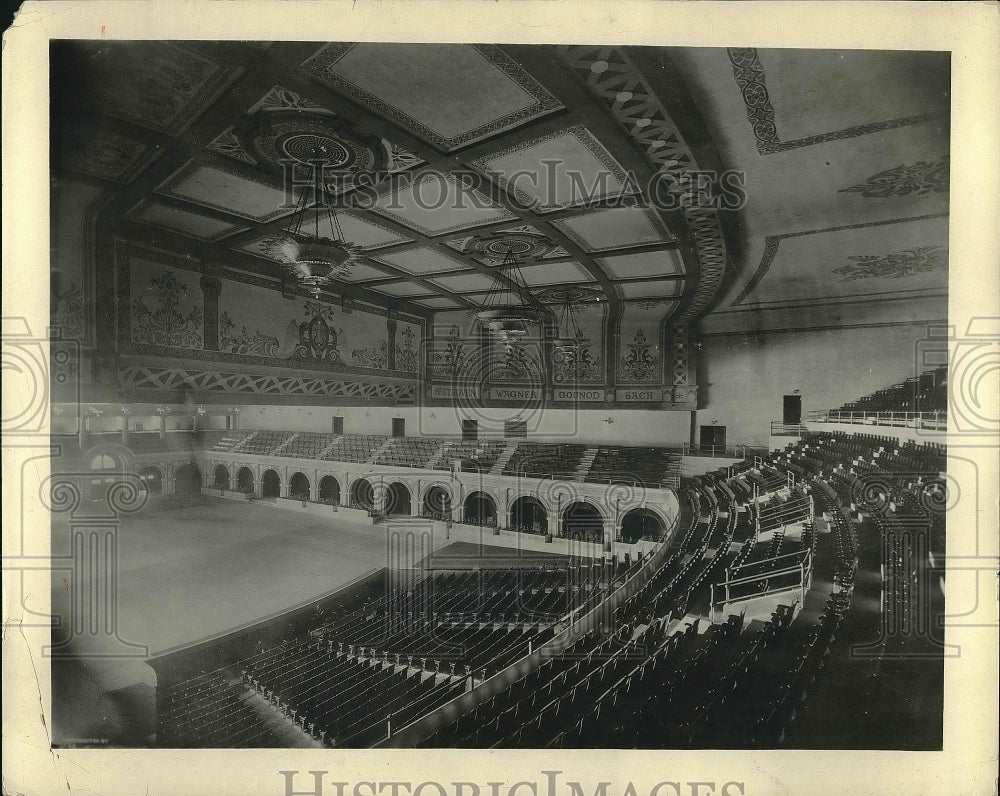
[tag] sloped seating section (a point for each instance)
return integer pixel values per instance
(210, 711)
(223, 441)
(308, 445)
(409, 452)
(354, 448)
(264, 443)
(536, 459)
(649, 466)
(919, 401)
(475, 455)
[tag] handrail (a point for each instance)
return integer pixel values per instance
(936, 420)
(578, 627)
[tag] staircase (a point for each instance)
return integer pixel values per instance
(503, 458)
(383, 448)
(277, 451)
(239, 445)
(439, 454)
(586, 462)
(330, 447)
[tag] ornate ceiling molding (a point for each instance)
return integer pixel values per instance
(750, 77)
(612, 77)
(772, 242)
(323, 67)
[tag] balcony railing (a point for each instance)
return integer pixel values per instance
(779, 429)
(935, 421)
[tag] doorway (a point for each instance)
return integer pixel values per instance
(713, 439)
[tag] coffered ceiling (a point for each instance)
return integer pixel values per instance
(449, 156)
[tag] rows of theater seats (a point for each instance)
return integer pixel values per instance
(342, 699)
(731, 686)
(539, 459)
(409, 452)
(927, 392)
(648, 465)
(354, 448)
(209, 710)
(474, 455)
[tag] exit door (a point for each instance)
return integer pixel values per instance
(713, 438)
(791, 414)
(470, 429)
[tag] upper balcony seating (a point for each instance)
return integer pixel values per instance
(647, 465)
(477, 455)
(223, 441)
(308, 445)
(354, 448)
(266, 442)
(925, 393)
(409, 452)
(538, 459)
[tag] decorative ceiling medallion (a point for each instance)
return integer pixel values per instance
(577, 294)
(920, 178)
(524, 243)
(466, 92)
(283, 99)
(227, 143)
(275, 138)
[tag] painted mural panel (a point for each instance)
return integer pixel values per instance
(520, 362)
(166, 305)
(407, 347)
(72, 289)
(256, 321)
(640, 355)
(454, 341)
(586, 364)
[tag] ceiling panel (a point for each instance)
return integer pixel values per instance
(434, 204)
(226, 191)
(460, 283)
(438, 302)
(158, 84)
(615, 228)
(194, 224)
(99, 152)
(642, 264)
(650, 288)
(554, 274)
(450, 94)
(421, 260)
(402, 289)
(562, 169)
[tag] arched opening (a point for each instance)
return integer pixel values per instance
(528, 515)
(362, 495)
(153, 480)
(397, 499)
(480, 509)
(244, 480)
(104, 461)
(270, 485)
(437, 504)
(187, 480)
(298, 487)
(642, 524)
(221, 477)
(584, 522)
(329, 490)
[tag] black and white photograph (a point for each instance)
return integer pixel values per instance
(494, 395)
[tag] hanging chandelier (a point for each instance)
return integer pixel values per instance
(313, 244)
(504, 311)
(570, 337)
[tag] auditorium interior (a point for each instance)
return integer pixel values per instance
(497, 396)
